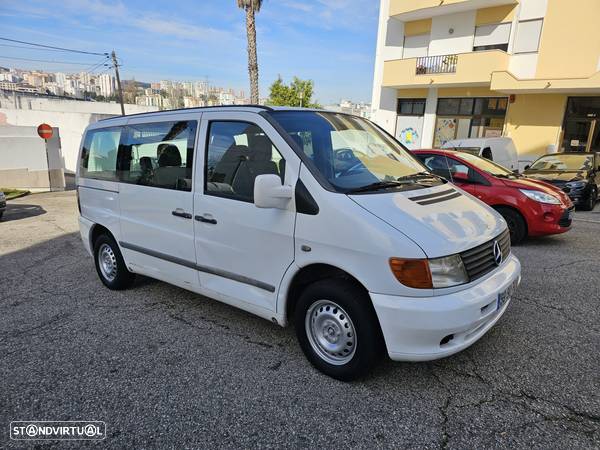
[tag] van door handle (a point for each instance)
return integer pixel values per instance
(181, 213)
(206, 220)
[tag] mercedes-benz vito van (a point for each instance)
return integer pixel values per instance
(311, 217)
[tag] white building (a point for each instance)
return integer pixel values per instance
(107, 85)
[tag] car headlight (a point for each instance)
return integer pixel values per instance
(430, 273)
(576, 184)
(447, 271)
(541, 197)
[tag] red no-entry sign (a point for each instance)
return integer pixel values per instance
(45, 131)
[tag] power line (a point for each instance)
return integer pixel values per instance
(98, 64)
(24, 47)
(54, 48)
(45, 60)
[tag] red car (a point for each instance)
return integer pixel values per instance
(530, 207)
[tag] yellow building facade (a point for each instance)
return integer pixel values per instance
(525, 69)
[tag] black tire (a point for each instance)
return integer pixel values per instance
(356, 305)
(516, 224)
(119, 279)
(590, 202)
(1, 214)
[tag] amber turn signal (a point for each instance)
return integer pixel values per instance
(413, 273)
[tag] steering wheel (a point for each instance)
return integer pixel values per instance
(355, 168)
(344, 154)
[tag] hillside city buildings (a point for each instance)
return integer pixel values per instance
(165, 94)
(526, 69)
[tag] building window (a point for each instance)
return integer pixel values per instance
(492, 37)
(480, 48)
(416, 46)
(528, 37)
(461, 118)
(411, 106)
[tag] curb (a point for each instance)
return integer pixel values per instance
(18, 196)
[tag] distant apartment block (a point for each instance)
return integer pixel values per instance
(527, 69)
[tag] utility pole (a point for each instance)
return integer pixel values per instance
(119, 88)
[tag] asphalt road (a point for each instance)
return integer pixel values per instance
(164, 367)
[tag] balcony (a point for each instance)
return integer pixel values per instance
(464, 69)
(406, 10)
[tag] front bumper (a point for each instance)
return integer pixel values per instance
(552, 219)
(417, 329)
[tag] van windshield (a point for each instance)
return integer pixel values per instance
(352, 154)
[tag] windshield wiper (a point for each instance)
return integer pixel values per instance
(377, 186)
(417, 176)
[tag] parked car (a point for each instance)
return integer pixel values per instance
(2, 204)
(311, 217)
(576, 173)
(501, 150)
(530, 207)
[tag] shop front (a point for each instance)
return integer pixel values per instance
(581, 130)
(468, 117)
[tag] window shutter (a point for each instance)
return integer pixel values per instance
(492, 34)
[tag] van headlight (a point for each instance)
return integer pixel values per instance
(541, 197)
(430, 273)
(447, 271)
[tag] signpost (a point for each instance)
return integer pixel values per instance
(45, 132)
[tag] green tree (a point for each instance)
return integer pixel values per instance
(251, 7)
(297, 93)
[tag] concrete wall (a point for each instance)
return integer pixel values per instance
(29, 162)
(70, 116)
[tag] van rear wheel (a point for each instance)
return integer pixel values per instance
(110, 265)
(338, 329)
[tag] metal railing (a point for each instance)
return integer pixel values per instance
(436, 64)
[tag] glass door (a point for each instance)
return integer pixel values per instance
(578, 134)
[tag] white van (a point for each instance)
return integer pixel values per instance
(501, 150)
(304, 216)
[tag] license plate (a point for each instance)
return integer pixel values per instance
(504, 297)
(570, 214)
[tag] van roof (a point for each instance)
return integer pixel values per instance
(245, 108)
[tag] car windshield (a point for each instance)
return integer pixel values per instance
(352, 154)
(486, 165)
(563, 162)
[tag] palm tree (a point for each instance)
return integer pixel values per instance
(251, 7)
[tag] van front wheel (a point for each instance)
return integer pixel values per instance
(337, 329)
(110, 265)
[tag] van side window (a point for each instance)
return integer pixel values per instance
(159, 154)
(487, 153)
(237, 152)
(99, 154)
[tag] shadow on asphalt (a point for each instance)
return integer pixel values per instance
(18, 212)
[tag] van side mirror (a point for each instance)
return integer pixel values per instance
(270, 193)
(527, 167)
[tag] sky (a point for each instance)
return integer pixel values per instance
(331, 42)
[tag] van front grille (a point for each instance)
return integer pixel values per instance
(480, 260)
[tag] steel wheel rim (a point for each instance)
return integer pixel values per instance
(107, 261)
(330, 332)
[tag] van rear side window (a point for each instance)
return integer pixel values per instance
(99, 154)
(159, 154)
